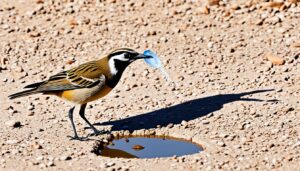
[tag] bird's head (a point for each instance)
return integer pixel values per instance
(119, 59)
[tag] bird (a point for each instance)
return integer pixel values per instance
(86, 82)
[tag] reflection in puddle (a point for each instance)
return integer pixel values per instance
(148, 147)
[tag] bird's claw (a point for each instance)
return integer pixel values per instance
(77, 138)
(97, 132)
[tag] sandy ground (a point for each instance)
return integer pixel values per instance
(232, 97)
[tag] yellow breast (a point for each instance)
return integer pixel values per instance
(84, 95)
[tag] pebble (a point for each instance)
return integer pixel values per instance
(259, 21)
(170, 125)
(138, 147)
(276, 60)
(183, 122)
(276, 5)
(110, 164)
(203, 10)
(11, 142)
(30, 107)
(235, 6)
(210, 45)
(221, 144)
(63, 158)
(31, 113)
(273, 20)
(50, 163)
(36, 145)
(39, 1)
(296, 45)
(213, 2)
(40, 158)
(209, 61)
(205, 122)
(13, 123)
(34, 34)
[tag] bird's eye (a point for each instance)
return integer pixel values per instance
(127, 56)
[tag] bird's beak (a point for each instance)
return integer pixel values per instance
(141, 56)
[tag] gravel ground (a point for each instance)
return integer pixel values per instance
(235, 65)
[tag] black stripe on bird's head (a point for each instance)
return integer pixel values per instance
(119, 59)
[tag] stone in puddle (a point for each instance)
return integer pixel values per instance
(138, 147)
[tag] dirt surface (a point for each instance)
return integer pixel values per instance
(235, 65)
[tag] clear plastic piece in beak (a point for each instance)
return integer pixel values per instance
(155, 62)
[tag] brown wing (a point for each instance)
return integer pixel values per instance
(84, 76)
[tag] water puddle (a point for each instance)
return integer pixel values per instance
(147, 147)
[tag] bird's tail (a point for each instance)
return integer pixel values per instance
(23, 93)
(33, 90)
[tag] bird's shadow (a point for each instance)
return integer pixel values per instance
(176, 114)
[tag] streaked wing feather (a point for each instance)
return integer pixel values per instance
(57, 85)
(34, 85)
(60, 75)
(84, 76)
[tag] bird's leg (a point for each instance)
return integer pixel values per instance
(72, 122)
(81, 113)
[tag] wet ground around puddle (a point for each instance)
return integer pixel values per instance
(149, 147)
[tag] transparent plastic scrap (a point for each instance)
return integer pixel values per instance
(155, 63)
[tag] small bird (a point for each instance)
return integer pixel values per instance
(86, 82)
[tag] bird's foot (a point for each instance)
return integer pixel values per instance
(75, 137)
(97, 132)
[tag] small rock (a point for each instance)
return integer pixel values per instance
(36, 145)
(221, 144)
(42, 166)
(13, 123)
(203, 10)
(296, 45)
(30, 113)
(276, 5)
(213, 2)
(39, 1)
(110, 164)
(34, 34)
(259, 22)
(184, 122)
(205, 122)
(235, 7)
(274, 59)
(63, 158)
(273, 20)
(19, 69)
(71, 61)
(210, 45)
(11, 142)
(50, 163)
(170, 125)
(73, 23)
(293, 1)
(12, 111)
(30, 107)
(40, 158)
(138, 147)
(209, 61)
(226, 14)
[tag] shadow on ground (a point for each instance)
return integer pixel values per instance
(176, 114)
